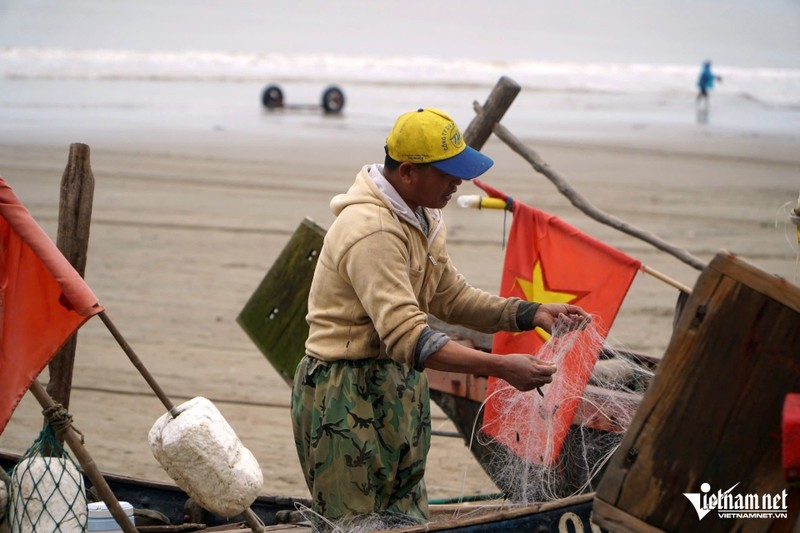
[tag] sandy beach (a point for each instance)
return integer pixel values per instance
(185, 228)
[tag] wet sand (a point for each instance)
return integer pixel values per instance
(183, 232)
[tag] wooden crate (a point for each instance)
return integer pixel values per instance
(274, 316)
(713, 412)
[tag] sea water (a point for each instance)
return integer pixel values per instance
(95, 71)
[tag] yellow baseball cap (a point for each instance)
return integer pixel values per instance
(430, 136)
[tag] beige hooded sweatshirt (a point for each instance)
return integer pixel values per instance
(379, 276)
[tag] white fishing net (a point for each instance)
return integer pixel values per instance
(554, 457)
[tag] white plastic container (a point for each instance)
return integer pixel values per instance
(101, 519)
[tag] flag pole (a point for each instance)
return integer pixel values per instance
(148, 377)
(666, 279)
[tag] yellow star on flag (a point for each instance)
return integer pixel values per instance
(536, 290)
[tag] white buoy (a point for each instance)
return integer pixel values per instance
(201, 452)
(47, 494)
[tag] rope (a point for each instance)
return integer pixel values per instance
(60, 419)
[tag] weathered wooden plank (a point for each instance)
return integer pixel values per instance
(274, 316)
(712, 414)
(772, 286)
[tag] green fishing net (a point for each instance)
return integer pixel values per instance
(47, 491)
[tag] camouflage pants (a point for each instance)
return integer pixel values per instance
(362, 431)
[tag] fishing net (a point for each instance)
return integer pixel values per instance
(550, 461)
(365, 523)
(47, 491)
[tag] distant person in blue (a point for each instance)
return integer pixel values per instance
(706, 82)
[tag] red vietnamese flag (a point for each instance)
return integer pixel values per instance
(550, 261)
(43, 301)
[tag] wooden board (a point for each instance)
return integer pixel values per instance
(713, 412)
(274, 316)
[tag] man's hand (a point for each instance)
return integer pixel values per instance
(572, 315)
(525, 372)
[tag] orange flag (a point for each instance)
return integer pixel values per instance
(43, 301)
(550, 261)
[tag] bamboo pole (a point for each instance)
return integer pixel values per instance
(74, 221)
(583, 204)
(666, 279)
(73, 440)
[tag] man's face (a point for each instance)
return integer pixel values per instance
(432, 187)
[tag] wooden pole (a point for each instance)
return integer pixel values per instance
(666, 279)
(73, 440)
(487, 116)
(74, 220)
(584, 205)
(148, 377)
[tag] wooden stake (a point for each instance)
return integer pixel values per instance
(487, 116)
(74, 220)
(73, 440)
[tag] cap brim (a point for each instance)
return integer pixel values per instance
(467, 165)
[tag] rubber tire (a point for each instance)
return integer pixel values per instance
(272, 97)
(333, 99)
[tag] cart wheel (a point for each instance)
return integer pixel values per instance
(333, 99)
(272, 97)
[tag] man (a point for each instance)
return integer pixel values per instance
(705, 82)
(360, 401)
